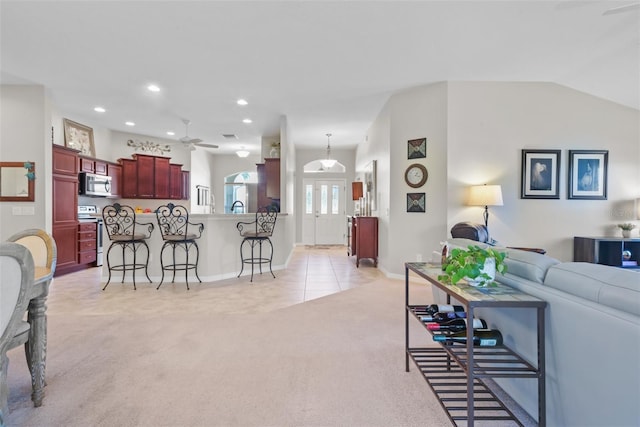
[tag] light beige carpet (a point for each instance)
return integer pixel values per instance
(231, 353)
(333, 361)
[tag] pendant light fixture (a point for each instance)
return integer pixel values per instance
(328, 162)
(242, 152)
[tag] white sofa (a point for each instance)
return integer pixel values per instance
(592, 338)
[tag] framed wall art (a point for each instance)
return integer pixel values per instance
(540, 174)
(417, 148)
(79, 137)
(588, 174)
(370, 183)
(416, 202)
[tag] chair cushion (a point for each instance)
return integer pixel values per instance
(176, 238)
(254, 235)
(127, 238)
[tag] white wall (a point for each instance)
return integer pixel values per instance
(475, 133)
(489, 125)
(25, 135)
(417, 113)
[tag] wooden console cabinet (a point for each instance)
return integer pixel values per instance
(607, 251)
(362, 238)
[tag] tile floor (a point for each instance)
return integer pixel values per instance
(312, 272)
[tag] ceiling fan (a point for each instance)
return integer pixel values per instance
(192, 143)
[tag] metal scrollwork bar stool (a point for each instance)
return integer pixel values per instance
(177, 231)
(254, 234)
(124, 231)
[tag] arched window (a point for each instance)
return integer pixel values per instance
(236, 191)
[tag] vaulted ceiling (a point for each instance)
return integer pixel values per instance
(328, 67)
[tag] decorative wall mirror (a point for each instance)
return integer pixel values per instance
(17, 181)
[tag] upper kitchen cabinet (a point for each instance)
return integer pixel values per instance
(151, 177)
(269, 183)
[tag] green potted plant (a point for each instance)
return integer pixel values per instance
(626, 229)
(476, 265)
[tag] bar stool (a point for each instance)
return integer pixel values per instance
(177, 231)
(127, 233)
(254, 234)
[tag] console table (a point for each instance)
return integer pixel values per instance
(362, 238)
(451, 369)
(607, 251)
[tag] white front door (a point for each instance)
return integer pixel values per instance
(324, 220)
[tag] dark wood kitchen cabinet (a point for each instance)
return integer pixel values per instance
(146, 177)
(268, 182)
(87, 242)
(129, 187)
(115, 172)
(186, 185)
(175, 181)
(65, 207)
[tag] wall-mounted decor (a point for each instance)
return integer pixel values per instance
(415, 202)
(417, 148)
(540, 174)
(17, 181)
(370, 183)
(203, 195)
(149, 147)
(416, 175)
(588, 174)
(79, 137)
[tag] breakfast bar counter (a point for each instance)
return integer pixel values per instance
(219, 249)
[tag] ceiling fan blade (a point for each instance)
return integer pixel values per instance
(620, 9)
(207, 145)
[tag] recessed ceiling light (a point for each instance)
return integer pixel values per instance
(99, 109)
(129, 123)
(153, 88)
(170, 133)
(242, 102)
(247, 121)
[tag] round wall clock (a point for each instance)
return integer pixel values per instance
(416, 175)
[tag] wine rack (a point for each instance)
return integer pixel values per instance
(460, 374)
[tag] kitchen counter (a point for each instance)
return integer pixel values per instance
(219, 249)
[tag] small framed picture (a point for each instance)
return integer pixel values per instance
(415, 202)
(417, 148)
(79, 137)
(540, 174)
(588, 174)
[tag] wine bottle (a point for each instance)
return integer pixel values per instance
(438, 308)
(457, 325)
(444, 317)
(481, 337)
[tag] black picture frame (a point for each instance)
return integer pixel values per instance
(416, 202)
(540, 177)
(588, 170)
(417, 148)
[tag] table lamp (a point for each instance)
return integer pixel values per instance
(485, 195)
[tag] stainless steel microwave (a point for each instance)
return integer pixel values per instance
(94, 185)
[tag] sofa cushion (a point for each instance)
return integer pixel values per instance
(528, 265)
(611, 286)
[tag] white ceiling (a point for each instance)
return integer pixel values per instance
(328, 67)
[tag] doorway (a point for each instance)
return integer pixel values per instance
(324, 212)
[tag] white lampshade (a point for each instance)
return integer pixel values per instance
(485, 195)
